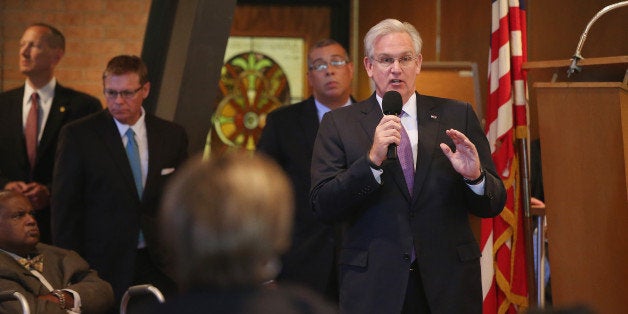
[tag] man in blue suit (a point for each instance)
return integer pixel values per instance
(407, 245)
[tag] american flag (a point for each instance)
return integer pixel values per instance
(502, 238)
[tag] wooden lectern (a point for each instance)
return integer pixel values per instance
(583, 127)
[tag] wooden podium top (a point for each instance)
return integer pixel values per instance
(605, 69)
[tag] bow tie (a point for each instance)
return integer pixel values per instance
(36, 263)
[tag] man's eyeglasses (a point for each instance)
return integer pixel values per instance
(387, 62)
(320, 65)
(126, 94)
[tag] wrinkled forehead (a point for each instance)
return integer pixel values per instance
(393, 44)
(327, 52)
(37, 33)
(14, 205)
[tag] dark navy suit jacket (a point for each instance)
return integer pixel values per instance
(382, 223)
(95, 207)
(288, 138)
(67, 105)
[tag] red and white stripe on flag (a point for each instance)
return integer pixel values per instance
(502, 239)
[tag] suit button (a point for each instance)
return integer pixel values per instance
(406, 256)
(411, 215)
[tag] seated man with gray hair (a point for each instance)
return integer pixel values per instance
(227, 220)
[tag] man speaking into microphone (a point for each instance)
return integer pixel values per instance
(407, 245)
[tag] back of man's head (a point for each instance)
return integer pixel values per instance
(227, 220)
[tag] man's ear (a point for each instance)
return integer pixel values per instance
(146, 90)
(57, 54)
(368, 66)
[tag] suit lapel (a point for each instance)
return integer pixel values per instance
(108, 131)
(373, 114)
(55, 119)
(10, 268)
(428, 115)
(16, 125)
(51, 272)
(309, 121)
(153, 137)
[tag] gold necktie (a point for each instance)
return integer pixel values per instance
(36, 263)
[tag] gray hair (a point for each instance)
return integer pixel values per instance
(227, 219)
(389, 26)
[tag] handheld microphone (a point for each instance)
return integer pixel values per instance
(391, 104)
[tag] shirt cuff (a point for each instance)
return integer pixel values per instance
(76, 308)
(478, 188)
(377, 174)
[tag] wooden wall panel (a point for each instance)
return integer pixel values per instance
(554, 29)
(465, 36)
(421, 14)
(311, 23)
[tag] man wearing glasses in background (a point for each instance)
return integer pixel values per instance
(288, 137)
(111, 168)
(407, 246)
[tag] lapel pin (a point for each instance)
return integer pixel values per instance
(62, 109)
(433, 116)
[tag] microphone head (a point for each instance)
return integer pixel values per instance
(392, 103)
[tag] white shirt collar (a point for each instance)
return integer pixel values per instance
(322, 109)
(139, 127)
(45, 93)
(15, 256)
(409, 107)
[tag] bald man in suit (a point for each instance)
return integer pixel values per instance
(41, 48)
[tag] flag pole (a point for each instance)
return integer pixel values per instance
(524, 173)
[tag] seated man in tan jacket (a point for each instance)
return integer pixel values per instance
(52, 280)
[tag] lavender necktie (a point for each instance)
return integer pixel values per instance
(406, 159)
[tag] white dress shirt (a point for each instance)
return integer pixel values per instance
(409, 120)
(46, 94)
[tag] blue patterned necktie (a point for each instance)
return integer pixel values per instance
(133, 153)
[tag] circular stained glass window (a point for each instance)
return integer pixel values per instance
(251, 86)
